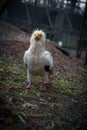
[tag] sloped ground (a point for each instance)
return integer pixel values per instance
(62, 107)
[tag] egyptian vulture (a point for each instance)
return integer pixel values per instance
(39, 62)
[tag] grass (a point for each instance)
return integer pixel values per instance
(13, 74)
(26, 104)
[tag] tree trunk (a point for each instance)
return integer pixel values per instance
(86, 58)
(79, 47)
(4, 5)
(35, 2)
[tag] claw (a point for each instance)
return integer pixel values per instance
(28, 85)
(43, 88)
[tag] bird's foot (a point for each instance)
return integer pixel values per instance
(43, 88)
(28, 85)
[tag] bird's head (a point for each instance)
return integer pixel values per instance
(38, 35)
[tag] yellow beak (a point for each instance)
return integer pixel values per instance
(38, 37)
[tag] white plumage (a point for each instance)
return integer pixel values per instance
(39, 61)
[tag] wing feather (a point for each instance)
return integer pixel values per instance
(47, 58)
(25, 57)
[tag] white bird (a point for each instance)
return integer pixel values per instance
(39, 62)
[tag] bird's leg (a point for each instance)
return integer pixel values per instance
(44, 78)
(43, 87)
(28, 84)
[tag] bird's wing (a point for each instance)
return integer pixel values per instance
(47, 59)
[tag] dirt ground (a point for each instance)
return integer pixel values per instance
(62, 107)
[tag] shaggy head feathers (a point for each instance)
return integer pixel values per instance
(38, 32)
